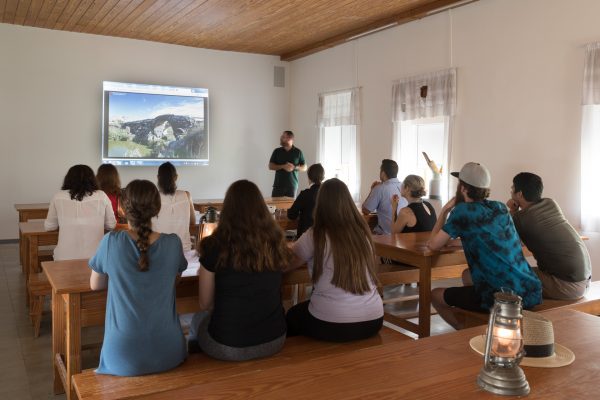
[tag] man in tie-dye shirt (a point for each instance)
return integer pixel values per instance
(491, 244)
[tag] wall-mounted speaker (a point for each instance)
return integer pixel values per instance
(279, 77)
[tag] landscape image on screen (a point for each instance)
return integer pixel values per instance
(156, 126)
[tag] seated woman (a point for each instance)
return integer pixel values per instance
(82, 212)
(177, 209)
(305, 202)
(240, 280)
(344, 304)
(142, 334)
(418, 215)
(109, 182)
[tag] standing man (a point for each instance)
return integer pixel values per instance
(564, 265)
(380, 197)
(286, 161)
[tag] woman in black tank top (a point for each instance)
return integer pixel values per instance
(419, 215)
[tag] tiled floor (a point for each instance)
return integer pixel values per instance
(26, 362)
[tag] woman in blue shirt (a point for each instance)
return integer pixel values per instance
(142, 334)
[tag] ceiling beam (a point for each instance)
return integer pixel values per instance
(398, 19)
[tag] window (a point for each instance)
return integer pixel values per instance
(423, 108)
(338, 120)
(590, 139)
(338, 155)
(425, 135)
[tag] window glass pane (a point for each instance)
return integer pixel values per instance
(418, 136)
(339, 155)
(332, 156)
(430, 139)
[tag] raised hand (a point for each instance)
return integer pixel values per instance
(512, 205)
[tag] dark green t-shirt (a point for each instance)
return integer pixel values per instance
(284, 179)
(555, 244)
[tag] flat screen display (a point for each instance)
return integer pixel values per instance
(151, 124)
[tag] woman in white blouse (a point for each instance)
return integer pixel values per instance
(176, 209)
(82, 212)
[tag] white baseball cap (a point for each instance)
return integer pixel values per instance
(474, 174)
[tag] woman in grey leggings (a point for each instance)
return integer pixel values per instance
(240, 280)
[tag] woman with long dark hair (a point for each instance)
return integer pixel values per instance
(82, 212)
(177, 210)
(344, 304)
(110, 183)
(240, 280)
(140, 267)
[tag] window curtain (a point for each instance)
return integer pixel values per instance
(341, 109)
(426, 96)
(590, 140)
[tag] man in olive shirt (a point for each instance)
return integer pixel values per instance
(564, 265)
(286, 161)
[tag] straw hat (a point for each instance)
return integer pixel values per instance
(538, 344)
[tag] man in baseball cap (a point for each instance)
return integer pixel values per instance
(491, 244)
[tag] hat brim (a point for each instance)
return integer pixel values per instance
(561, 357)
(454, 174)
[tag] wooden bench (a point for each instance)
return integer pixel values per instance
(199, 368)
(590, 304)
(38, 288)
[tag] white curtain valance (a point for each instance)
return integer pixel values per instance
(425, 96)
(591, 74)
(339, 108)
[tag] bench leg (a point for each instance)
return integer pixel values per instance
(35, 312)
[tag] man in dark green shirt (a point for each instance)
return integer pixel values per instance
(286, 161)
(564, 265)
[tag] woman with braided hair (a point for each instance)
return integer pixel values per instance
(140, 267)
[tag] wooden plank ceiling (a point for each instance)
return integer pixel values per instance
(288, 28)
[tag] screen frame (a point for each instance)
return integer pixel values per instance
(125, 87)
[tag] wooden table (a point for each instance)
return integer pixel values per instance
(33, 235)
(436, 368)
(411, 249)
(27, 212)
(280, 202)
(75, 306)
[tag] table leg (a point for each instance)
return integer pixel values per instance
(73, 342)
(424, 301)
(22, 250)
(21, 244)
(32, 261)
(58, 339)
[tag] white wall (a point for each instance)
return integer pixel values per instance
(520, 66)
(50, 110)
